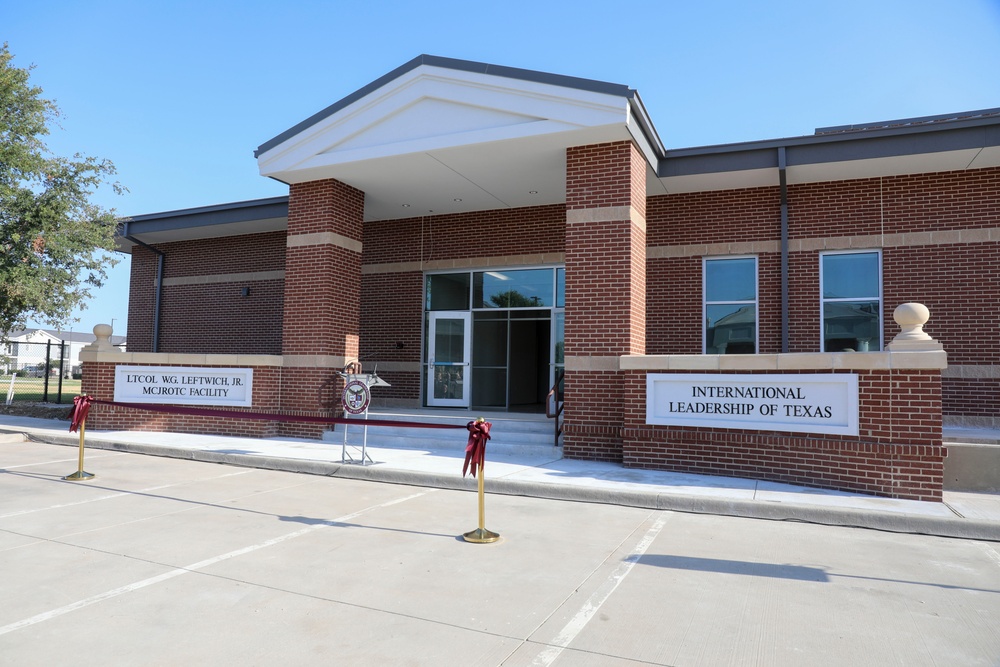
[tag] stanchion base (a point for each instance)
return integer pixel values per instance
(78, 476)
(481, 536)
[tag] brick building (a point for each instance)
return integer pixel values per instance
(478, 231)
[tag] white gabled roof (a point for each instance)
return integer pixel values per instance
(440, 135)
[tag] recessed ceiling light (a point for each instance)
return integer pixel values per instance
(406, 206)
(532, 192)
(456, 199)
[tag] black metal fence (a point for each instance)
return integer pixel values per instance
(38, 372)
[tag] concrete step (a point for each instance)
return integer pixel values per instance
(523, 435)
(6, 436)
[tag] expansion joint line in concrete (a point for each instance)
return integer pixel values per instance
(195, 567)
(589, 609)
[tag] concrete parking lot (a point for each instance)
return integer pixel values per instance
(162, 561)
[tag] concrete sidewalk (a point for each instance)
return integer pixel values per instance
(964, 515)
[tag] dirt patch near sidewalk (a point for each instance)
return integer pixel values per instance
(38, 410)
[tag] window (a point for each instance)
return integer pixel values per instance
(448, 291)
(851, 298)
(730, 305)
(521, 288)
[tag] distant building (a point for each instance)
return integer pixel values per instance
(25, 349)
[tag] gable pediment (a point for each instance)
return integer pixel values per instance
(430, 119)
(432, 108)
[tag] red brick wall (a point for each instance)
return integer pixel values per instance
(958, 280)
(322, 297)
(605, 290)
(391, 318)
(99, 382)
(897, 454)
(977, 399)
(960, 284)
(141, 300)
(209, 318)
(322, 281)
(494, 233)
(725, 216)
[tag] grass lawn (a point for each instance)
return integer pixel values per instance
(33, 389)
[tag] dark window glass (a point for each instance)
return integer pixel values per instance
(522, 288)
(851, 276)
(448, 291)
(731, 279)
(731, 306)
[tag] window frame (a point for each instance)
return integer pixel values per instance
(880, 297)
(705, 303)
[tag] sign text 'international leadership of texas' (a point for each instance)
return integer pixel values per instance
(807, 403)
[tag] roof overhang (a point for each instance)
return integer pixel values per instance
(445, 136)
(892, 150)
(233, 219)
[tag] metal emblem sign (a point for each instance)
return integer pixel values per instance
(357, 396)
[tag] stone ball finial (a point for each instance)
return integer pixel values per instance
(911, 318)
(103, 343)
(103, 331)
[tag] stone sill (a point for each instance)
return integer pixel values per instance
(169, 359)
(853, 361)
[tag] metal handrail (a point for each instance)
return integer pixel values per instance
(552, 398)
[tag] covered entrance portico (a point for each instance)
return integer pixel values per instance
(507, 205)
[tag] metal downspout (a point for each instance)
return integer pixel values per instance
(783, 183)
(159, 285)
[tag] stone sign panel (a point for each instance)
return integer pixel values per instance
(807, 403)
(182, 385)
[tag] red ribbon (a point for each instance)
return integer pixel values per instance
(475, 451)
(78, 415)
(238, 414)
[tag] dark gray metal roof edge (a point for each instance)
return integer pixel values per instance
(646, 124)
(917, 120)
(882, 142)
(281, 201)
(455, 64)
(882, 131)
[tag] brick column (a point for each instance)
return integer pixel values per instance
(322, 297)
(605, 291)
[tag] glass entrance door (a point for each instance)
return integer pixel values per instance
(448, 351)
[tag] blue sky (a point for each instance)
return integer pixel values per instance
(179, 94)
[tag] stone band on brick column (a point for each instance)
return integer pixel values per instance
(605, 291)
(322, 296)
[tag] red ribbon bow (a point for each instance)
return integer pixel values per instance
(78, 415)
(475, 451)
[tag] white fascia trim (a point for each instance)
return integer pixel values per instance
(635, 129)
(564, 107)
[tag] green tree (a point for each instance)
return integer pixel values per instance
(55, 243)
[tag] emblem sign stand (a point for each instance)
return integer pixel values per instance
(356, 399)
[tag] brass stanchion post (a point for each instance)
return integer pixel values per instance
(80, 474)
(481, 535)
